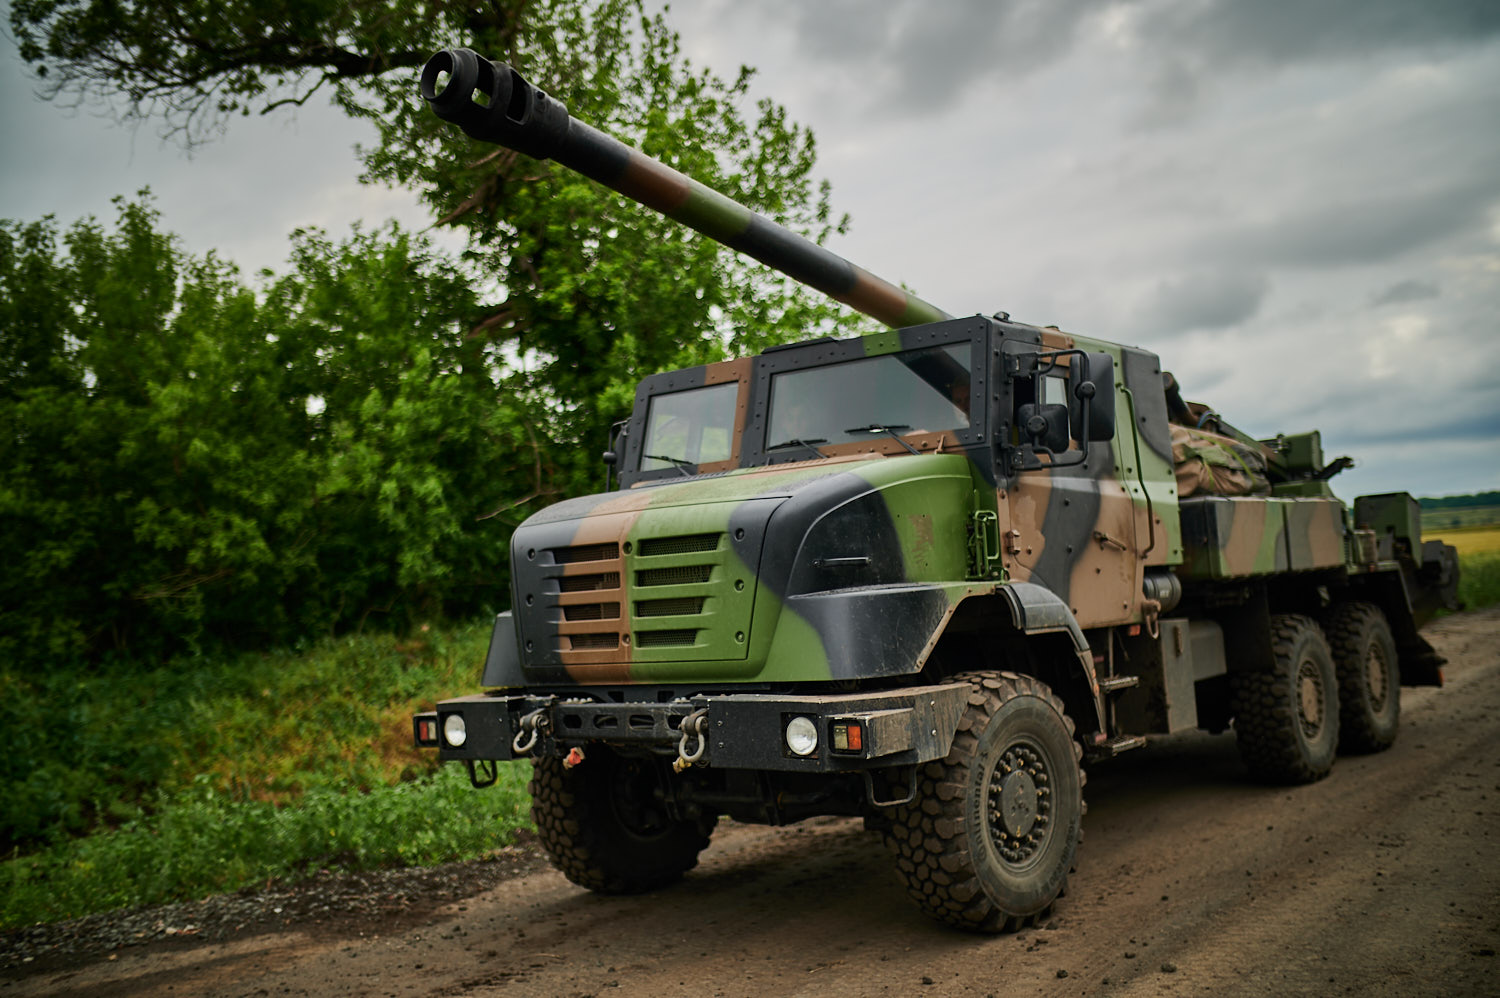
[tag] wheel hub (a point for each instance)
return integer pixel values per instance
(1018, 803)
(1310, 698)
(1376, 678)
(1020, 806)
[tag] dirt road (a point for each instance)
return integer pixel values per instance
(1383, 879)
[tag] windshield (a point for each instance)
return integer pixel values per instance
(689, 428)
(914, 391)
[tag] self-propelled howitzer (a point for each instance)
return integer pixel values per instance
(915, 577)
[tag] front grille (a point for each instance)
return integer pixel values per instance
(585, 552)
(686, 544)
(592, 611)
(680, 575)
(669, 607)
(626, 589)
(592, 642)
(665, 639)
(588, 583)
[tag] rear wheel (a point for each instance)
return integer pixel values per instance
(605, 826)
(989, 838)
(1364, 656)
(1286, 716)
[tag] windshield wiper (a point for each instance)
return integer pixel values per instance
(799, 442)
(676, 462)
(878, 428)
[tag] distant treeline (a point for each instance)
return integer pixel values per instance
(1461, 502)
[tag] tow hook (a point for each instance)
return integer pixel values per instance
(692, 728)
(574, 757)
(531, 727)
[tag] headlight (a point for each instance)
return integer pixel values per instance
(802, 736)
(454, 732)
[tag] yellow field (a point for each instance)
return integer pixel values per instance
(1468, 540)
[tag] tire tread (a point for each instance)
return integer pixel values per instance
(927, 836)
(1267, 729)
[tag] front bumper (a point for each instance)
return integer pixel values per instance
(899, 727)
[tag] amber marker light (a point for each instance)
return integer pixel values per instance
(848, 736)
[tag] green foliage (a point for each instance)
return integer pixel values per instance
(200, 841)
(194, 465)
(1479, 580)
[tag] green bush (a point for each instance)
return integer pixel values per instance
(201, 841)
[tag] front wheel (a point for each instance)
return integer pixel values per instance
(989, 838)
(605, 825)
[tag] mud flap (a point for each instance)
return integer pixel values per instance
(1421, 665)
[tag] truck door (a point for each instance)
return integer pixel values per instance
(1073, 529)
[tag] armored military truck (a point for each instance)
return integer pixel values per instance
(917, 576)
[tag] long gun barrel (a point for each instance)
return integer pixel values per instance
(519, 116)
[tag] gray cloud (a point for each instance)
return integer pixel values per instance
(928, 53)
(1405, 291)
(1479, 426)
(924, 53)
(1366, 229)
(1204, 300)
(1194, 46)
(1285, 31)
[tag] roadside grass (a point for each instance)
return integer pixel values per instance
(130, 785)
(1478, 561)
(200, 841)
(1479, 580)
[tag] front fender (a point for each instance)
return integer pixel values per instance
(1037, 610)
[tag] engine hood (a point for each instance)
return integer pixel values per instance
(648, 581)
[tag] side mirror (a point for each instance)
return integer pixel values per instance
(1092, 376)
(1046, 426)
(611, 457)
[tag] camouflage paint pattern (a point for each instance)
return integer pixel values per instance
(1248, 536)
(1089, 532)
(674, 582)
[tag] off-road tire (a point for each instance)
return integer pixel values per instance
(605, 831)
(1286, 716)
(1364, 656)
(1010, 782)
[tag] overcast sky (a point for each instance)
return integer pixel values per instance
(1296, 204)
